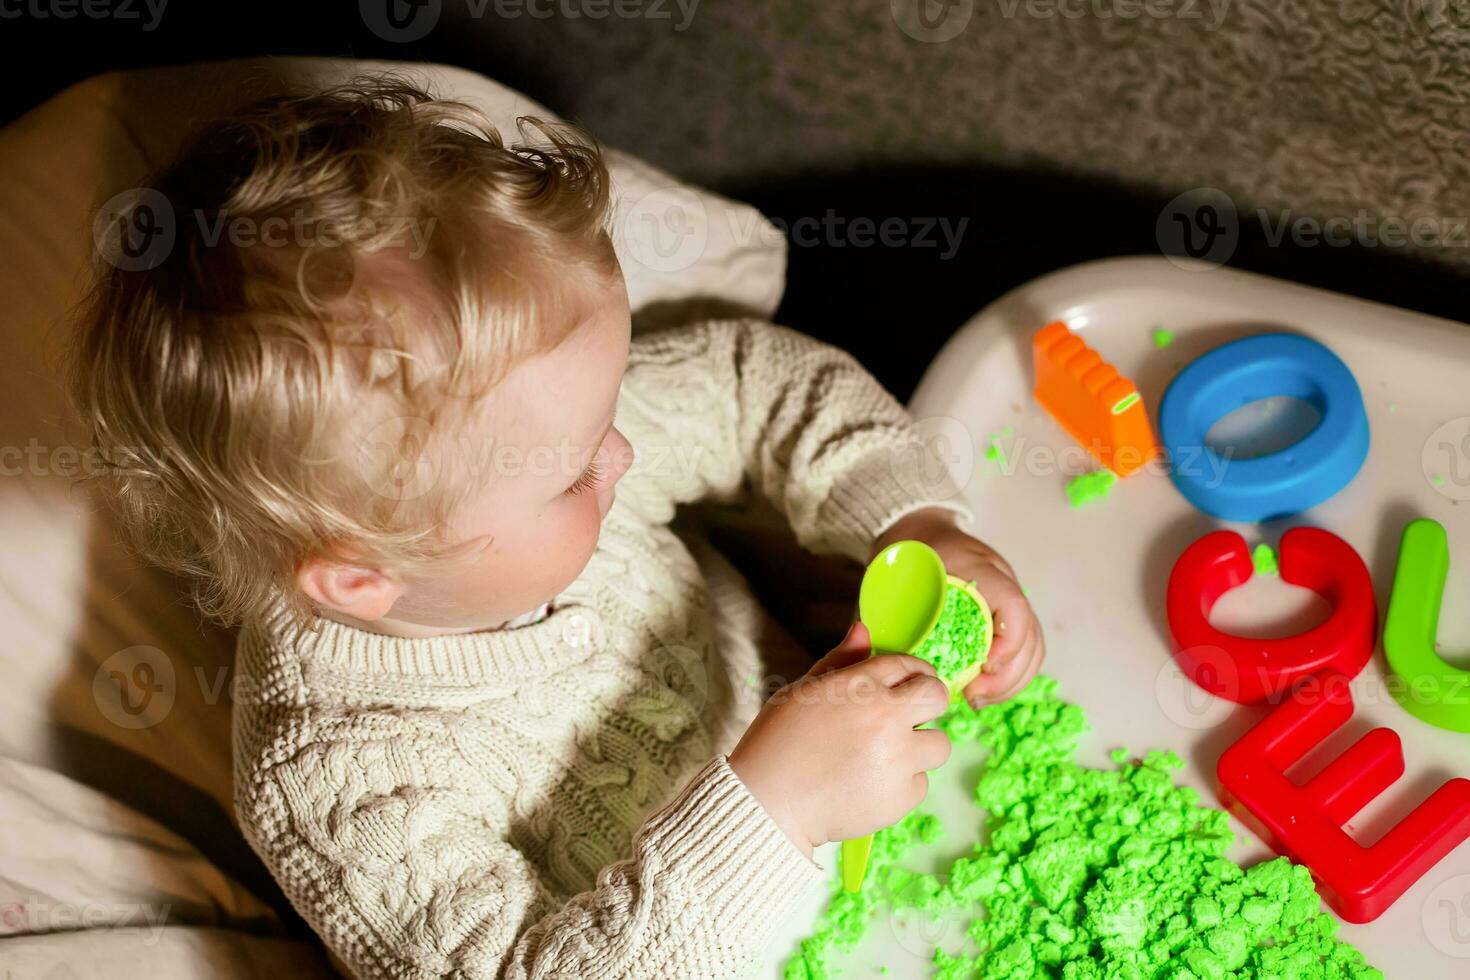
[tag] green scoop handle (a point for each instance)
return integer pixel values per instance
(899, 601)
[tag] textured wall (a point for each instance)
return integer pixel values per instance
(1323, 108)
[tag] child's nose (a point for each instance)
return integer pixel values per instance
(620, 455)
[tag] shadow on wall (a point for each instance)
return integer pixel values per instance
(958, 237)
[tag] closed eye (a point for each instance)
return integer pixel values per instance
(589, 478)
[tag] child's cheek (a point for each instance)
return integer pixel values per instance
(577, 533)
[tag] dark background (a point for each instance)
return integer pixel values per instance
(1021, 222)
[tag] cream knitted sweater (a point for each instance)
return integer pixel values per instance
(553, 800)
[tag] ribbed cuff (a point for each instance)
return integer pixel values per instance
(885, 486)
(743, 868)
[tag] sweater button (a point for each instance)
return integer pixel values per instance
(575, 632)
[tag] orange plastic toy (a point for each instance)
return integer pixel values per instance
(1099, 407)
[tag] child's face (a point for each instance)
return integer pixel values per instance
(542, 458)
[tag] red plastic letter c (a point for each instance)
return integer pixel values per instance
(1243, 669)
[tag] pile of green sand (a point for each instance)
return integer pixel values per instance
(959, 639)
(1088, 874)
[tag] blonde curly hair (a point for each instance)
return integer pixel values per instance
(346, 273)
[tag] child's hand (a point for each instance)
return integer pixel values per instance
(835, 755)
(1018, 647)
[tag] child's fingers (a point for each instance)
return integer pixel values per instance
(1009, 680)
(994, 688)
(918, 789)
(1004, 566)
(854, 648)
(893, 669)
(1009, 610)
(931, 748)
(996, 677)
(1011, 632)
(927, 697)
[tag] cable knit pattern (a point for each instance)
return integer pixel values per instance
(553, 800)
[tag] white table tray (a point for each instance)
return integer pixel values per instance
(1097, 574)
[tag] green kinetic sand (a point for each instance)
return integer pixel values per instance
(995, 452)
(1265, 560)
(1086, 874)
(1088, 487)
(1163, 338)
(959, 639)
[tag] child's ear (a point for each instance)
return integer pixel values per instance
(359, 591)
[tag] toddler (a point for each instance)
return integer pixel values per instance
(380, 403)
